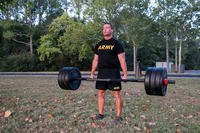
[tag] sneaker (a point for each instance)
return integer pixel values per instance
(98, 117)
(118, 120)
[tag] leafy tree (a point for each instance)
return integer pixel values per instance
(176, 20)
(20, 62)
(192, 59)
(70, 40)
(13, 37)
(4, 4)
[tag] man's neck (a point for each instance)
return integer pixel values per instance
(107, 37)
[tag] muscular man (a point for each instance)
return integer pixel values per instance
(109, 57)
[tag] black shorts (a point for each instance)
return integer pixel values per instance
(108, 74)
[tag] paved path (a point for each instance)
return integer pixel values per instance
(190, 74)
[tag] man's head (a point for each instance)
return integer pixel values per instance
(107, 30)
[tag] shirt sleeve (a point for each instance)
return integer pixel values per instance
(119, 47)
(96, 50)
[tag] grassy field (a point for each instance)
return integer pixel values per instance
(37, 104)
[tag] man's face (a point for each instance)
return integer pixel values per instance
(107, 30)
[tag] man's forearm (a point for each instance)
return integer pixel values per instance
(94, 66)
(124, 67)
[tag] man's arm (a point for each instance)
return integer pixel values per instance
(122, 61)
(94, 65)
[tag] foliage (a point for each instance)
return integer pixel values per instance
(20, 62)
(192, 59)
(63, 33)
(4, 4)
(13, 38)
(68, 38)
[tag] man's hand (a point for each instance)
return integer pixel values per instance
(124, 77)
(92, 76)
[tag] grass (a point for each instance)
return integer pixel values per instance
(37, 104)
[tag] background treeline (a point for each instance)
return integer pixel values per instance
(45, 35)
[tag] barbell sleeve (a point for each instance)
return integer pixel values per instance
(171, 81)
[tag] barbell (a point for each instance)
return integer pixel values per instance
(155, 81)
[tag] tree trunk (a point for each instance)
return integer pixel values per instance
(134, 58)
(176, 58)
(31, 44)
(179, 54)
(167, 49)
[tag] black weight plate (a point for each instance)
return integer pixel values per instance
(147, 81)
(67, 76)
(60, 81)
(158, 78)
(75, 77)
(152, 82)
(66, 79)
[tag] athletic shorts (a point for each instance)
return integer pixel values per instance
(108, 74)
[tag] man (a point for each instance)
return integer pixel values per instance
(109, 56)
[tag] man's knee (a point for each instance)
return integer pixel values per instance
(117, 94)
(101, 93)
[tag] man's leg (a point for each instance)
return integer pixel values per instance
(101, 101)
(119, 102)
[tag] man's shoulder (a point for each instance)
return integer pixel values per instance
(116, 41)
(100, 42)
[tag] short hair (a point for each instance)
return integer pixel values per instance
(108, 24)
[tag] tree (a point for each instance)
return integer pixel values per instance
(28, 12)
(136, 26)
(176, 19)
(4, 4)
(75, 47)
(192, 59)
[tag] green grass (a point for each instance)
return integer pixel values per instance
(39, 105)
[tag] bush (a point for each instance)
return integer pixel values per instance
(19, 63)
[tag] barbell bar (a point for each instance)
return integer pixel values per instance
(166, 81)
(155, 81)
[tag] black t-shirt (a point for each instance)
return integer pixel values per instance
(107, 50)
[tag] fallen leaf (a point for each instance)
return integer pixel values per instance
(178, 130)
(146, 129)
(176, 124)
(80, 101)
(190, 116)
(143, 116)
(175, 118)
(152, 123)
(17, 99)
(148, 101)
(127, 94)
(26, 119)
(30, 120)
(50, 115)
(7, 113)
(173, 110)
(61, 131)
(182, 116)
(93, 124)
(137, 128)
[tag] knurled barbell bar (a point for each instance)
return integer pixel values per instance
(155, 81)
